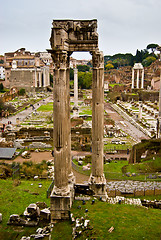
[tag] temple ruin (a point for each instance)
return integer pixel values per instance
(138, 67)
(68, 36)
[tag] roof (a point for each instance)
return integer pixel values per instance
(7, 153)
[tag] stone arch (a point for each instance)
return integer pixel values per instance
(68, 36)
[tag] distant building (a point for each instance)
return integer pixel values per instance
(2, 72)
(25, 70)
(74, 62)
(155, 83)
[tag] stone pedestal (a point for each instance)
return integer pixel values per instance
(60, 207)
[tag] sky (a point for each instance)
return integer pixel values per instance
(123, 25)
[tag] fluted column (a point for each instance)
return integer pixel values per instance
(44, 77)
(132, 78)
(142, 79)
(97, 179)
(75, 87)
(35, 78)
(71, 178)
(40, 79)
(137, 83)
(61, 123)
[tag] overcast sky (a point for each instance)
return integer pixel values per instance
(123, 25)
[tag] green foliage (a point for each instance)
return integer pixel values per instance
(148, 61)
(51, 80)
(1, 87)
(109, 66)
(22, 92)
(152, 46)
(84, 80)
(120, 59)
(71, 74)
(83, 68)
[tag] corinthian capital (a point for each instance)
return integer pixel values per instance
(60, 59)
(98, 59)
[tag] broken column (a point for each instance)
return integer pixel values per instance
(60, 197)
(97, 179)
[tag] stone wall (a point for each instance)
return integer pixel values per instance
(22, 79)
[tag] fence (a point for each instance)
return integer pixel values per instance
(16, 171)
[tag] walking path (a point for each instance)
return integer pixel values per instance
(23, 114)
(127, 127)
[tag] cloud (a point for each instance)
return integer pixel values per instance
(123, 26)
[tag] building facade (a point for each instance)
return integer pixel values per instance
(25, 70)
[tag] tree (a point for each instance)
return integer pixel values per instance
(1, 87)
(83, 68)
(71, 74)
(51, 80)
(22, 92)
(109, 66)
(152, 46)
(148, 61)
(84, 80)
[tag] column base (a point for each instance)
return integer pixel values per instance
(98, 186)
(60, 205)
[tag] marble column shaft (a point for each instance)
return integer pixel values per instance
(75, 87)
(97, 118)
(142, 79)
(61, 125)
(137, 83)
(133, 78)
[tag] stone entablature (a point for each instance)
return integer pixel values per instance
(74, 35)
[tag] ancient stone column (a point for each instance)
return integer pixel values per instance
(137, 83)
(142, 79)
(97, 179)
(40, 79)
(132, 78)
(75, 87)
(71, 178)
(60, 196)
(140, 110)
(35, 78)
(44, 77)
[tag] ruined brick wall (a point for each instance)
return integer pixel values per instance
(22, 79)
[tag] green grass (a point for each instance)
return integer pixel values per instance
(14, 200)
(85, 111)
(109, 146)
(146, 166)
(46, 108)
(129, 222)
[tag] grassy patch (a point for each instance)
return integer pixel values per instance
(14, 199)
(129, 222)
(46, 108)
